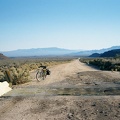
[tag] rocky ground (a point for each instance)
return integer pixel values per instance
(73, 91)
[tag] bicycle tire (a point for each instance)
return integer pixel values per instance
(39, 76)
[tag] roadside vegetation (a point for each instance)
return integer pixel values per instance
(17, 71)
(111, 64)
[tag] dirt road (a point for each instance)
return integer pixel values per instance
(73, 91)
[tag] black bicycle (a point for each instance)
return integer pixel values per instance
(42, 73)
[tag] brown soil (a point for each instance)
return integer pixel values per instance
(3, 57)
(56, 98)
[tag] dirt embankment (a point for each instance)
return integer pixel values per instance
(49, 99)
(2, 57)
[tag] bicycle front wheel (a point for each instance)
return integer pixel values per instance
(39, 76)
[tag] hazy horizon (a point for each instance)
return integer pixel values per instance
(62, 48)
(68, 24)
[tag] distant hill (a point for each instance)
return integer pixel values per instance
(111, 53)
(95, 55)
(95, 52)
(53, 51)
(2, 57)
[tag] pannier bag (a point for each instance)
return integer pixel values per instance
(48, 72)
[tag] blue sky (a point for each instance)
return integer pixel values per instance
(70, 24)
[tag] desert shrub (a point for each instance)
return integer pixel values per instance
(2, 76)
(104, 63)
(19, 75)
(33, 66)
(20, 68)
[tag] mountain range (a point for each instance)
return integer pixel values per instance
(110, 53)
(90, 52)
(54, 51)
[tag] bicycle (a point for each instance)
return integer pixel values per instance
(42, 73)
